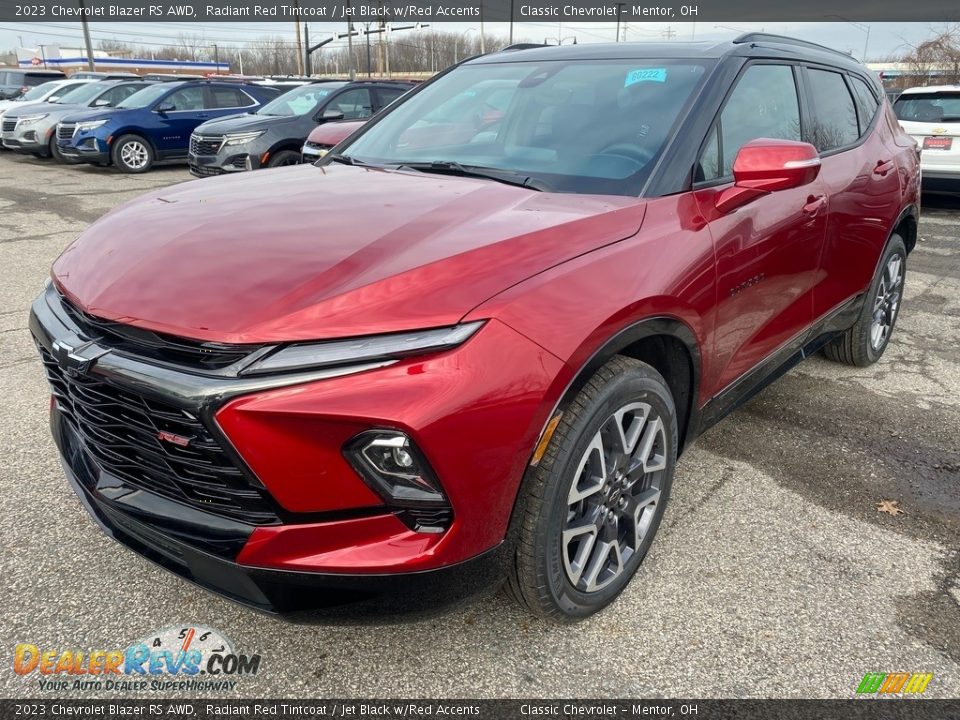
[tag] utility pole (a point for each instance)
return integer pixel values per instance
(307, 70)
(483, 47)
(86, 37)
(353, 71)
(511, 22)
(619, 13)
(296, 7)
(43, 55)
(216, 58)
(366, 34)
(669, 33)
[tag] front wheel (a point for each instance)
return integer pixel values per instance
(132, 154)
(592, 506)
(864, 343)
(284, 158)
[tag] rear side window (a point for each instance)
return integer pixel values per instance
(18, 78)
(119, 94)
(928, 107)
(224, 98)
(763, 105)
(834, 121)
(866, 102)
(388, 95)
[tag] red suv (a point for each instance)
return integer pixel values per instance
(439, 358)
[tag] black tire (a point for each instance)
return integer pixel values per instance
(861, 345)
(132, 154)
(54, 149)
(284, 158)
(544, 574)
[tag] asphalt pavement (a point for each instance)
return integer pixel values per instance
(774, 574)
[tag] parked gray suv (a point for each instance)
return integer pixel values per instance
(32, 129)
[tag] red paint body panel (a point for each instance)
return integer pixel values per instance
(331, 133)
(319, 259)
(375, 544)
(475, 412)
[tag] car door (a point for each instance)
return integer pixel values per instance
(222, 101)
(859, 171)
(767, 251)
(176, 115)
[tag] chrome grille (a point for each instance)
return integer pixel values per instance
(205, 144)
(65, 130)
(8, 126)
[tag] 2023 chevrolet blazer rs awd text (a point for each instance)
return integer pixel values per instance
(471, 342)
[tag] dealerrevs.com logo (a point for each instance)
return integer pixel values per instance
(189, 658)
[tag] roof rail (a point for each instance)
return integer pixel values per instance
(523, 46)
(785, 40)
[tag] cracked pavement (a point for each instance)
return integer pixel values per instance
(772, 565)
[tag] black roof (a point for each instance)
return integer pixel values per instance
(747, 45)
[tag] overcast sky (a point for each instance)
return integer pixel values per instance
(885, 39)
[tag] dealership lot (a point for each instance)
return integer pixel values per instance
(774, 575)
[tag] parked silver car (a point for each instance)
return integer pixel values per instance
(32, 129)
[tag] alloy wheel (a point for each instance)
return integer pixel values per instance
(887, 302)
(134, 155)
(613, 496)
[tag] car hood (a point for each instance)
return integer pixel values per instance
(332, 133)
(242, 123)
(7, 105)
(40, 107)
(101, 114)
(307, 252)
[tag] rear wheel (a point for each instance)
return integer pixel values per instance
(864, 343)
(283, 158)
(132, 154)
(593, 505)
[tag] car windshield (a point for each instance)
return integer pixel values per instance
(299, 101)
(592, 126)
(147, 96)
(928, 107)
(81, 94)
(41, 91)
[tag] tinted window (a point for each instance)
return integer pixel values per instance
(834, 121)
(224, 97)
(866, 102)
(709, 166)
(299, 101)
(146, 97)
(41, 91)
(119, 94)
(388, 95)
(928, 107)
(587, 127)
(80, 94)
(763, 105)
(355, 104)
(187, 99)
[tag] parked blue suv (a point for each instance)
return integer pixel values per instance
(154, 124)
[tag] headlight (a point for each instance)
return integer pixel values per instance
(362, 350)
(90, 124)
(30, 119)
(241, 138)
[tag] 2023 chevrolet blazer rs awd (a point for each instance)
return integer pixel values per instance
(471, 344)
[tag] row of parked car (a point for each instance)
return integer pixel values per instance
(216, 125)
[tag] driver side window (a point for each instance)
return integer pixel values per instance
(763, 105)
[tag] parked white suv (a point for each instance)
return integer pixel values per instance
(931, 116)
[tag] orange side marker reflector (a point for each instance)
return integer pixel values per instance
(545, 439)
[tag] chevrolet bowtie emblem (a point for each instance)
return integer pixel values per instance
(75, 355)
(939, 130)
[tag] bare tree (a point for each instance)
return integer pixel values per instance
(936, 59)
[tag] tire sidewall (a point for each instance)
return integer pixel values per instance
(284, 154)
(116, 152)
(629, 387)
(895, 246)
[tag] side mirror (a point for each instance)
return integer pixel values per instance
(329, 115)
(765, 165)
(102, 102)
(165, 108)
(53, 98)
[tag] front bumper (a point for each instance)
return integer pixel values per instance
(85, 148)
(160, 531)
(332, 539)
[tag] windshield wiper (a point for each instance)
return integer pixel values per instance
(346, 160)
(451, 167)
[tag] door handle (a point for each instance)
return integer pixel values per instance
(814, 203)
(883, 167)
